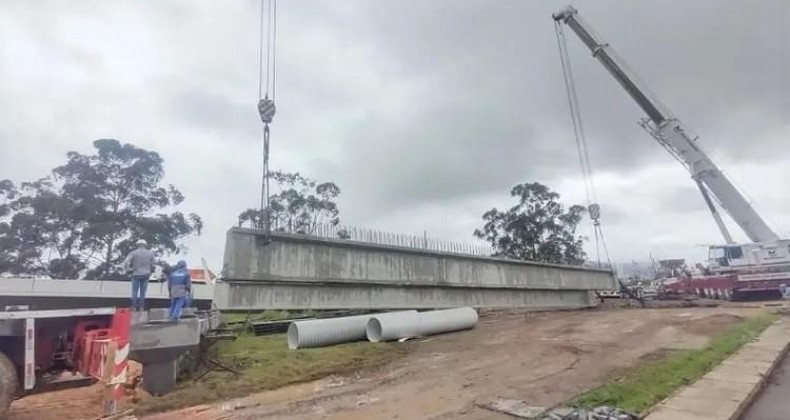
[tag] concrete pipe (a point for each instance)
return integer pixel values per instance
(325, 332)
(448, 320)
(393, 326)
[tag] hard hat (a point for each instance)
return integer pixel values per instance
(142, 242)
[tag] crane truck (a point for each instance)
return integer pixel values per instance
(734, 270)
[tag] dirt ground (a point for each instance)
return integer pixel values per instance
(68, 404)
(542, 358)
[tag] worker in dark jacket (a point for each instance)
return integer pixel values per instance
(180, 285)
(140, 263)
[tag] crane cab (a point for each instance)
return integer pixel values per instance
(754, 256)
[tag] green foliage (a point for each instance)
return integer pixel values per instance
(84, 218)
(650, 383)
(299, 207)
(268, 315)
(537, 228)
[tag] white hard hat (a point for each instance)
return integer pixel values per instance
(142, 242)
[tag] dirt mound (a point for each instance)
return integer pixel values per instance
(75, 403)
(710, 324)
(570, 349)
(657, 354)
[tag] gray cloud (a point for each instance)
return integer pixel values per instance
(425, 113)
(684, 200)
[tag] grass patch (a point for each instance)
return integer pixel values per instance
(647, 384)
(230, 317)
(267, 363)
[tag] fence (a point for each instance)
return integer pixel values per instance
(388, 238)
(397, 239)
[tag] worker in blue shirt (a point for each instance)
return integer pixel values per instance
(180, 285)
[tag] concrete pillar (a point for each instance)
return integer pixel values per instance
(159, 378)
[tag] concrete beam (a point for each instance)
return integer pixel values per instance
(163, 341)
(299, 271)
(158, 344)
(264, 295)
(69, 294)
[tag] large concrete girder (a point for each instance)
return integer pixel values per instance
(70, 294)
(298, 271)
(266, 295)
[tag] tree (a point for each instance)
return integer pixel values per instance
(83, 219)
(300, 206)
(8, 193)
(537, 228)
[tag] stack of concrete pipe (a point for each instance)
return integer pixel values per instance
(378, 327)
(326, 332)
(395, 326)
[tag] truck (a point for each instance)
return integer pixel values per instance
(43, 350)
(757, 268)
(52, 349)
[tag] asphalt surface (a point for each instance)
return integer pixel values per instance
(773, 403)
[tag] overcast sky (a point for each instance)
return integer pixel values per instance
(425, 113)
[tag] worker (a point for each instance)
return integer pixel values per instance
(180, 285)
(141, 263)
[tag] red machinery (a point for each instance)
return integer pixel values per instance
(52, 349)
(732, 286)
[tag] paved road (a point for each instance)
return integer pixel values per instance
(773, 403)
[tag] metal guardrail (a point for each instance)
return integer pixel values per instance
(380, 237)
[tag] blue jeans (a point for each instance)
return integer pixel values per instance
(139, 286)
(176, 306)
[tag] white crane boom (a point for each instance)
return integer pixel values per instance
(672, 134)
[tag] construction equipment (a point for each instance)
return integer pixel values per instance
(758, 266)
(267, 83)
(53, 349)
(47, 350)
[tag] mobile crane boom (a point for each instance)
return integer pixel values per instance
(671, 133)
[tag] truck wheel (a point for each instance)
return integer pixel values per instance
(9, 384)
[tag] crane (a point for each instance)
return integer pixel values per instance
(673, 135)
(682, 144)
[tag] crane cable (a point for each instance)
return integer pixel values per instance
(581, 144)
(266, 107)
